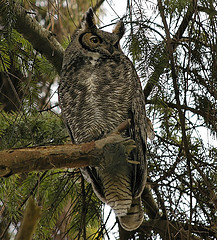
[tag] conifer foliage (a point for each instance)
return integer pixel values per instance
(173, 44)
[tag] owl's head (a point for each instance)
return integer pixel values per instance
(93, 39)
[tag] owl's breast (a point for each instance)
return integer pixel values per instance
(98, 97)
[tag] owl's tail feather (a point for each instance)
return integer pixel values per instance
(134, 217)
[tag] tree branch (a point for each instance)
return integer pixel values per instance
(30, 220)
(176, 230)
(151, 207)
(205, 115)
(170, 50)
(189, 156)
(43, 158)
(61, 156)
(97, 5)
(41, 39)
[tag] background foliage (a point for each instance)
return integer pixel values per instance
(177, 64)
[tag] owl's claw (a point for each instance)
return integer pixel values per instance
(129, 145)
(133, 162)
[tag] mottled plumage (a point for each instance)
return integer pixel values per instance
(99, 89)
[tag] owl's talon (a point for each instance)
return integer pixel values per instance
(133, 162)
(129, 145)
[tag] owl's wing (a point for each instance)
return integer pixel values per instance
(139, 134)
(90, 174)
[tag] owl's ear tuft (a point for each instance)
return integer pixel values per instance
(119, 29)
(89, 21)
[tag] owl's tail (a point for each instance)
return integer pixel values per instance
(134, 217)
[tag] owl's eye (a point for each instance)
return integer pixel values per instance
(94, 39)
(90, 40)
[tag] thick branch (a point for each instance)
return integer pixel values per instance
(43, 158)
(62, 156)
(151, 207)
(41, 39)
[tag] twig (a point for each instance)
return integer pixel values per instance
(156, 74)
(170, 50)
(177, 230)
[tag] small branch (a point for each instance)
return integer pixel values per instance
(155, 77)
(189, 156)
(30, 219)
(170, 50)
(151, 207)
(176, 230)
(185, 21)
(61, 156)
(205, 115)
(212, 194)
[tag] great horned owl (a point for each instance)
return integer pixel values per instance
(99, 89)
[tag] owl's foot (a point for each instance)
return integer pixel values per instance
(116, 154)
(115, 137)
(115, 146)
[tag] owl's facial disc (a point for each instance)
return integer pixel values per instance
(94, 43)
(95, 40)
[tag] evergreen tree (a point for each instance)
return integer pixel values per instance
(173, 46)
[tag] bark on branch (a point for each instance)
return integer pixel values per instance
(61, 156)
